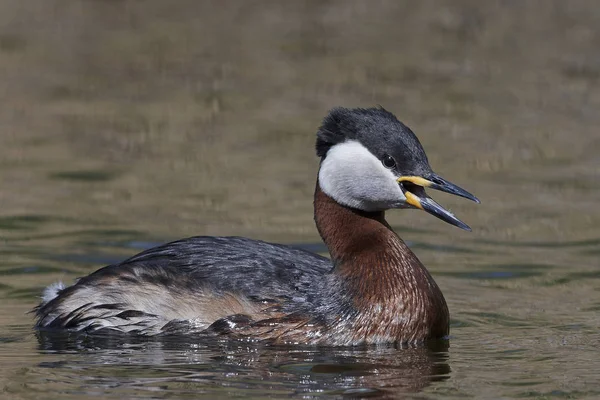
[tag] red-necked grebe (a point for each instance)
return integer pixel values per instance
(373, 290)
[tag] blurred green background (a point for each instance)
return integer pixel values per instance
(125, 123)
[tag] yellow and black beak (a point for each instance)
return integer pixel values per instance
(413, 189)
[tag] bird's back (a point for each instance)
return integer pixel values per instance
(189, 285)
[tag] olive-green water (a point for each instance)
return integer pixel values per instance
(126, 123)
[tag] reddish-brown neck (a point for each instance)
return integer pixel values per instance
(378, 268)
(363, 246)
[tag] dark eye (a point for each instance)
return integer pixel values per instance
(388, 161)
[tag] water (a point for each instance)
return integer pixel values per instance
(126, 124)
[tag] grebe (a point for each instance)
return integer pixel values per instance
(374, 289)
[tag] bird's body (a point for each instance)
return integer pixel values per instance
(373, 290)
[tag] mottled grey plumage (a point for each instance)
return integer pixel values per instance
(274, 276)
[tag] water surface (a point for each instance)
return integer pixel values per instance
(126, 124)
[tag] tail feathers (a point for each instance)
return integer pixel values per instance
(51, 292)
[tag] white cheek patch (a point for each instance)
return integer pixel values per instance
(354, 177)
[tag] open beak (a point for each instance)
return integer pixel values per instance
(413, 188)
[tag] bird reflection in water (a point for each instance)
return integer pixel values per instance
(176, 363)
